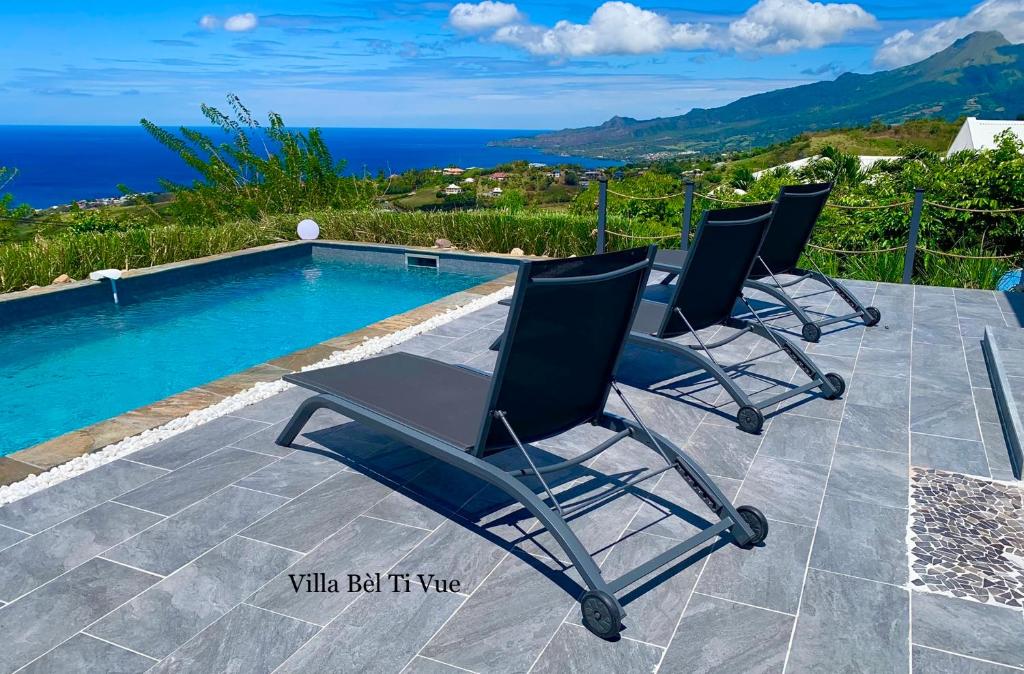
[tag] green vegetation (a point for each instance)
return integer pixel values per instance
(248, 197)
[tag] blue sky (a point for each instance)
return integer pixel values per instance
(522, 65)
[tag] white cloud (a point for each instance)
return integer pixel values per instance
(1006, 16)
(474, 18)
(209, 22)
(614, 28)
(779, 26)
(769, 26)
(240, 23)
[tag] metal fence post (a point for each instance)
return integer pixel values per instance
(915, 226)
(687, 214)
(602, 211)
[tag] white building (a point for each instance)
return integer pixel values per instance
(980, 134)
(496, 192)
(452, 190)
(866, 162)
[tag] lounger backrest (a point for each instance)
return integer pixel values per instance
(796, 212)
(567, 324)
(716, 267)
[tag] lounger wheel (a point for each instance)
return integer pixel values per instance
(601, 614)
(757, 522)
(874, 316)
(811, 332)
(838, 383)
(750, 419)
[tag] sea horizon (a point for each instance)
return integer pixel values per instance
(59, 164)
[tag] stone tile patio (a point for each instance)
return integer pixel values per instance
(178, 557)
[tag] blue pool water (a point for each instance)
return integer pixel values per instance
(84, 365)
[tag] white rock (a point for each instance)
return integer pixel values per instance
(518, 252)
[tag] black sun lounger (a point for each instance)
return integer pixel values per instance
(797, 209)
(553, 373)
(710, 281)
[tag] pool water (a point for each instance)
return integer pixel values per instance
(81, 366)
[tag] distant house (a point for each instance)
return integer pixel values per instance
(593, 175)
(500, 176)
(537, 164)
(555, 174)
(452, 171)
(866, 162)
(584, 183)
(468, 181)
(452, 190)
(496, 192)
(980, 134)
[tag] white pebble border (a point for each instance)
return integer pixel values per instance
(261, 391)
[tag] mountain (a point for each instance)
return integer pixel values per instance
(980, 75)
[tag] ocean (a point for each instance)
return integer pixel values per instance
(60, 164)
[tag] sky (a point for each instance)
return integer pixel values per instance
(490, 65)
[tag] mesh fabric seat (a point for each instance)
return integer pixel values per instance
(553, 373)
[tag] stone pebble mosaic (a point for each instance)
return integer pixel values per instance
(967, 537)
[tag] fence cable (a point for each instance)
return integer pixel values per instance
(638, 198)
(968, 257)
(857, 252)
(636, 236)
(974, 210)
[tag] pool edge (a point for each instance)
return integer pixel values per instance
(46, 455)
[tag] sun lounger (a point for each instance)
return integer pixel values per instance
(709, 284)
(797, 209)
(554, 372)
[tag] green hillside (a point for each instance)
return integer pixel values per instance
(979, 75)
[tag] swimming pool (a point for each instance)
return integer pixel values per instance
(73, 366)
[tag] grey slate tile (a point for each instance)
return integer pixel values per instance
(931, 661)
(279, 407)
(889, 393)
(71, 497)
(180, 606)
(654, 603)
(247, 639)
(874, 428)
(574, 650)
(364, 547)
(47, 555)
(83, 654)
(421, 345)
(509, 640)
(883, 362)
(851, 625)
(785, 490)
(47, 617)
(9, 537)
(869, 475)
(800, 438)
(294, 474)
(352, 643)
(721, 636)
(264, 441)
(421, 665)
(862, 539)
(176, 451)
(998, 451)
(721, 450)
(768, 576)
(475, 342)
(306, 521)
(940, 410)
(183, 487)
(985, 402)
(676, 511)
(949, 454)
(455, 551)
(986, 631)
(398, 507)
(178, 540)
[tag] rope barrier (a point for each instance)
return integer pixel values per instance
(901, 204)
(637, 198)
(727, 201)
(968, 257)
(857, 252)
(974, 210)
(635, 236)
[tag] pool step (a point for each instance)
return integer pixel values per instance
(1007, 398)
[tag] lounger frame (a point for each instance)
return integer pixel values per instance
(552, 514)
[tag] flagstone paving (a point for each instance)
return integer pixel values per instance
(185, 555)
